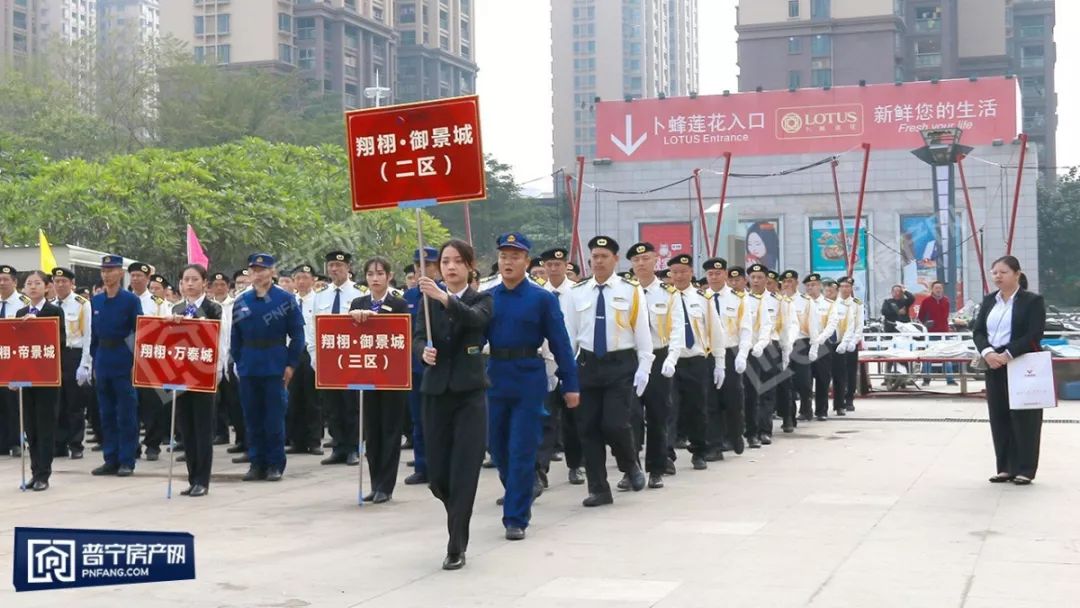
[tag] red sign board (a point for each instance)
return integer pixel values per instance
(184, 354)
(807, 120)
(414, 152)
(30, 351)
(669, 238)
(375, 354)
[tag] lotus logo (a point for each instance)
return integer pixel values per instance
(791, 123)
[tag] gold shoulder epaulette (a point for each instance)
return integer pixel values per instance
(757, 296)
(633, 282)
(397, 293)
(858, 301)
(80, 299)
(24, 299)
(157, 300)
(670, 288)
(324, 288)
(579, 284)
(538, 280)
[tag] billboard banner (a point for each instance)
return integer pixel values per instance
(827, 251)
(807, 120)
(763, 238)
(919, 252)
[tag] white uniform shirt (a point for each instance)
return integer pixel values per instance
(785, 324)
(12, 304)
(704, 323)
(732, 310)
(153, 306)
(850, 327)
(665, 318)
(625, 330)
(757, 309)
(808, 322)
(77, 324)
(829, 314)
(323, 304)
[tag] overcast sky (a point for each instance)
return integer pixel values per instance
(513, 50)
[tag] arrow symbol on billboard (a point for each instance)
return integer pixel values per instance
(626, 146)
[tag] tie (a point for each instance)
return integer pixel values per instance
(376, 305)
(33, 310)
(3, 310)
(689, 328)
(190, 311)
(600, 324)
(337, 302)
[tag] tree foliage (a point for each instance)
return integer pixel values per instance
(1059, 219)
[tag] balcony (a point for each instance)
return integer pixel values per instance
(1033, 31)
(928, 60)
(1037, 61)
(928, 26)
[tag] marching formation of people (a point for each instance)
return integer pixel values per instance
(532, 365)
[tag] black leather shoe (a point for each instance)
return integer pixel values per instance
(96, 448)
(596, 500)
(236, 449)
(822, 418)
(725, 445)
(293, 449)
(369, 497)
(254, 474)
(105, 469)
(557, 457)
(125, 471)
(805, 417)
(624, 483)
(242, 459)
(656, 481)
(488, 464)
(40, 485)
(416, 479)
(273, 475)
(542, 476)
(198, 490)
(500, 501)
(754, 443)
(352, 459)
(637, 480)
(788, 428)
(407, 444)
(515, 533)
(714, 455)
(221, 440)
(410, 463)
(181, 458)
(335, 458)
(538, 489)
(850, 408)
(330, 444)
(681, 443)
(739, 446)
(669, 467)
(575, 476)
(765, 439)
(186, 492)
(16, 452)
(76, 454)
(315, 451)
(839, 413)
(380, 497)
(699, 462)
(454, 561)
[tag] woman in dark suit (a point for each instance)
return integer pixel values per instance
(41, 405)
(195, 411)
(384, 411)
(454, 410)
(1010, 324)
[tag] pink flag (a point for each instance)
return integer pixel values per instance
(195, 253)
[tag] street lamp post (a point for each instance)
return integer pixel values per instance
(941, 152)
(377, 92)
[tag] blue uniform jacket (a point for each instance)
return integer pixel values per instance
(259, 328)
(112, 333)
(415, 300)
(524, 317)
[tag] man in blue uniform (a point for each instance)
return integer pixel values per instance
(112, 347)
(263, 317)
(525, 315)
(415, 300)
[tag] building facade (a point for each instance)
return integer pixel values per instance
(436, 56)
(818, 43)
(612, 50)
(141, 18)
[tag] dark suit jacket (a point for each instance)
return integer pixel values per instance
(209, 309)
(458, 332)
(48, 310)
(1028, 323)
(391, 304)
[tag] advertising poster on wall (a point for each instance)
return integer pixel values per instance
(763, 238)
(827, 251)
(669, 238)
(920, 250)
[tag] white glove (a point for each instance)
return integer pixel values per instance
(785, 359)
(757, 350)
(641, 380)
(718, 375)
(841, 348)
(220, 375)
(813, 351)
(553, 383)
(82, 376)
(740, 363)
(669, 368)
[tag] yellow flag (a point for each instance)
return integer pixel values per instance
(48, 261)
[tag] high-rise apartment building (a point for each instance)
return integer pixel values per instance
(613, 49)
(139, 19)
(815, 43)
(17, 18)
(437, 49)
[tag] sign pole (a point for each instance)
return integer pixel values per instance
(839, 208)
(22, 440)
(423, 267)
(360, 450)
(172, 444)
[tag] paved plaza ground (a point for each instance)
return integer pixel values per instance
(887, 507)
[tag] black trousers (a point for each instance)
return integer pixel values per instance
(1016, 433)
(783, 403)
(689, 394)
(654, 414)
(851, 369)
(757, 397)
(729, 403)
(74, 400)
(455, 430)
(559, 426)
(9, 419)
(384, 420)
(802, 377)
(40, 409)
(839, 379)
(229, 400)
(154, 414)
(822, 371)
(342, 411)
(607, 390)
(303, 419)
(195, 415)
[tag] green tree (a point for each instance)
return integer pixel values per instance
(1059, 220)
